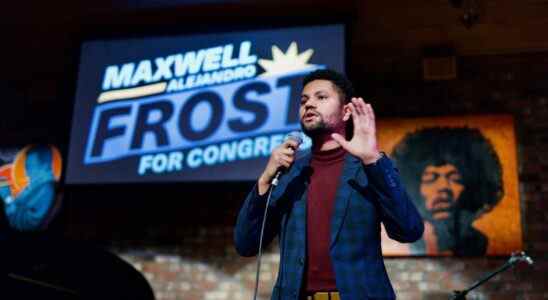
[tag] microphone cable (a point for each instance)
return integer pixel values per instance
(259, 256)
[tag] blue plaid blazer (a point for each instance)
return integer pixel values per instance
(366, 196)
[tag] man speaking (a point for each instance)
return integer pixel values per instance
(328, 206)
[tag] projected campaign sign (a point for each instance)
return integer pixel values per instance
(192, 108)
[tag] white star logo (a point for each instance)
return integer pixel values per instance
(287, 62)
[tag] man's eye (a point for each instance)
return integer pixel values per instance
(455, 178)
(429, 177)
(322, 97)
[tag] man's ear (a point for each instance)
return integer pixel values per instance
(347, 113)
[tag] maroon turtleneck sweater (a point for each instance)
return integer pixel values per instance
(326, 170)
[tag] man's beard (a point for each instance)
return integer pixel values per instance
(315, 129)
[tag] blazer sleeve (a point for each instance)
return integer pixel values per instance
(248, 224)
(399, 215)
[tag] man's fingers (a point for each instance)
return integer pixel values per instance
(354, 106)
(371, 111)
(285, 153)
(289, 143)
(285, 157)
(357, 118)
(353, 111)
(370, 115)
(359, 104)
(288, 151)
(286, 161)
(365, 111)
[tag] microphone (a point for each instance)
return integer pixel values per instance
(297, 137)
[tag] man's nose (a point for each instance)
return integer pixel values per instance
(443, 187)
(309, 104)
(448, 193)
(442, 183)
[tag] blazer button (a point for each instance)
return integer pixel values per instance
(301, 261)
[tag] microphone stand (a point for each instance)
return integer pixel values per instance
(516, 257)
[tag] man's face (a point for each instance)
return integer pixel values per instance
(322, 109)
(441, 187)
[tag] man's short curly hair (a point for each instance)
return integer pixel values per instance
(465, 148)
(342, 83)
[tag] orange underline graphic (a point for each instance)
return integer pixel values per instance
(135, 92)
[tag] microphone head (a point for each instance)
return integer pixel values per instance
(296, 136)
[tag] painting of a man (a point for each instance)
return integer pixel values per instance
(453, 175)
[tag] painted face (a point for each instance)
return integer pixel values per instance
(321, 109)
(441, 187)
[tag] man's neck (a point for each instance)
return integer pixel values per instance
(324, 142)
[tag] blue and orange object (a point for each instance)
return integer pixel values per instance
(27, 186)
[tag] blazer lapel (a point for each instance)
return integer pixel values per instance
(342, 198)
(300, 205)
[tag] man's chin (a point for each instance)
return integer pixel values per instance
(313, 130)
(440, 215)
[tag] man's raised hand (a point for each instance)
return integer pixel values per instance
(364, 140)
